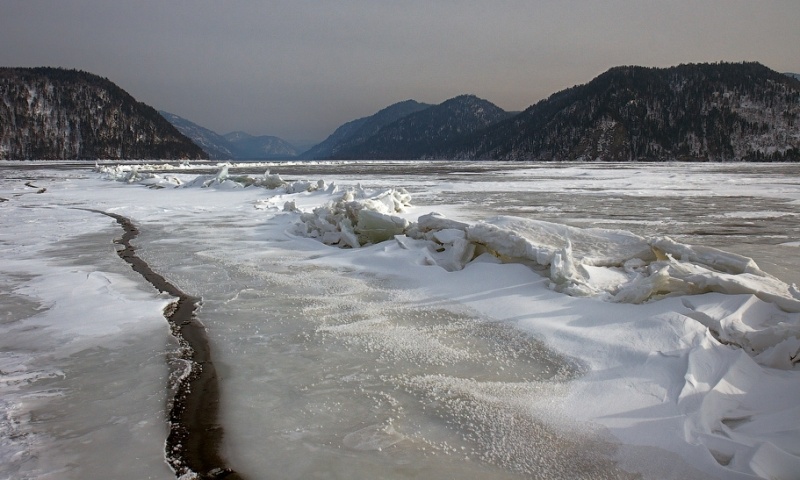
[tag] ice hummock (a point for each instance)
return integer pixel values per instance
(613, 265)
(357, 218)
(222, 179)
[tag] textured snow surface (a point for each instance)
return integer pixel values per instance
(82, 351)
(488, 346)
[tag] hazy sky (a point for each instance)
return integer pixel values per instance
(298, 69)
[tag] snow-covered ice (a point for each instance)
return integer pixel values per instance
(413, 320)
(82, 355)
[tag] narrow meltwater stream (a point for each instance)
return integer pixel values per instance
(194, 435)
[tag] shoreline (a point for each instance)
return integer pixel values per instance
(194, 439)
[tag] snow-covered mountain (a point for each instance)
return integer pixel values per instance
(53, 113)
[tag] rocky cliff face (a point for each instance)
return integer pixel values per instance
(51, 113)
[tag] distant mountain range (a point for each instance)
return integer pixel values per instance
(356, 132)
(705, 112)
(262, 147)
(234, 145)
(215, 145)
(53, 113)
(408, 129)
(420, 133)
(695, 112)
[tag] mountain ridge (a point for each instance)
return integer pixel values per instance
(417, 134)
(259, 147)
(693, 112)
(356, 132)
(54, 113)
(214, 144)
(234, 145)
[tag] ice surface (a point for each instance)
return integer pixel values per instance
(82, 348)
(464, 343)
(752, 312)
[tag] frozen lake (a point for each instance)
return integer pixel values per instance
(394, 360)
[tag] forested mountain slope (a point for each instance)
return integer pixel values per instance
(706, 112)
(356, 132)
(419, 134)
(53, 113)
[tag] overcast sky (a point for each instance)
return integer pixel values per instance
(298, 69)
